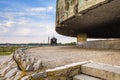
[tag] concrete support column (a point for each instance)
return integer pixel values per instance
(81, 38)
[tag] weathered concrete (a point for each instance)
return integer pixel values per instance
(9, 70)
(26, 62)
(54, 63)
(81, 38)
(103, 71)
(85, 77)
(55, 56)
(66, 72)
(96, 18)
(101, 44)
(3, 59)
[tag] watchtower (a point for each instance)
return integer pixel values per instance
(53, 41)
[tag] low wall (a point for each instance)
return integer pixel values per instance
(101, 44)
(23, 67)
(66, 72)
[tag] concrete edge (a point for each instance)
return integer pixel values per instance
(68, 66)
(102, 71)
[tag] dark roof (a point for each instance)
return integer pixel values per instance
(53, 38)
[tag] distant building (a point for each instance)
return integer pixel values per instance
(53, 41)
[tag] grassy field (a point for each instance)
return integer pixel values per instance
(7, 50)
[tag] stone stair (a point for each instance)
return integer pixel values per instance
(98, 71)
(85, 77)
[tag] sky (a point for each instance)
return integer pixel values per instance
(29, 21)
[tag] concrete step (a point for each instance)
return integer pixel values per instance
(102, 71)
(85, 77)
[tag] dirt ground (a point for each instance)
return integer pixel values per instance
(58, 55)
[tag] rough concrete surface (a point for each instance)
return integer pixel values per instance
(58, 55)
(85, 77)
(103, 71)
(53, 62)
(4, 58)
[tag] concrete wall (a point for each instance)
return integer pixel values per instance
(69, 8)
(101, 44)
(87, 4)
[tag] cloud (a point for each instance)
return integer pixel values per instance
(36, 21)
(25, 23)
(41, 9)
(27, 30)
(3, 30)
(27, 27)
(7, 15)
(15, 23)
(24, 31)
(41, 12)
(4, 26)
(9, 24)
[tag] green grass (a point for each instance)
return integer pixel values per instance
(5, 53)
(7, 50)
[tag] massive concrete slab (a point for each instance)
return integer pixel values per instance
(85, 77)
(101, 20)
(61, 63)
(55, 56)
(103, 71)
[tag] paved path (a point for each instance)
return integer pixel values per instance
(58, 56)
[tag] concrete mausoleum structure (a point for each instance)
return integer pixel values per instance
(88, 18)
(76, 18)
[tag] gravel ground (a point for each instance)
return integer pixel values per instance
(58, 56)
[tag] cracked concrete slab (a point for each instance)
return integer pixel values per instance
(56, 56)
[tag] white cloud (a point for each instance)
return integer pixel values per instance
(24, 31)
(9, 24)
(34, 12)
(24, 23)
(5, 26)
(3, 30)
(50, 8)
(24, 26)
(41, 9)
(37, 9)
(27, 31)
(7, 15)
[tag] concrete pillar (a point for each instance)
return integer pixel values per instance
(81, 38)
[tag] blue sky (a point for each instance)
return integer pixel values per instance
(26, 21)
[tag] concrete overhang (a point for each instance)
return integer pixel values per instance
(99, 21)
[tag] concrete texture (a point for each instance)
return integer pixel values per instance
(101, 20)
(61, 63)
(4, 59)
(85, 77)
(101, 44)
(55, 56)
(106, 72)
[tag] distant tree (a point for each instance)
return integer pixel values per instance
(71, 43)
